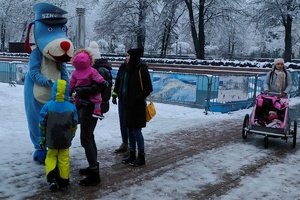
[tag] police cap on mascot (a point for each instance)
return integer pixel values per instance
(46, 65)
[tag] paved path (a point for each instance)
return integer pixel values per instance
(164, 157)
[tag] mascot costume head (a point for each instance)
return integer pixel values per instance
(46, 65)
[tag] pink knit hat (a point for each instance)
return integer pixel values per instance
(278, 60)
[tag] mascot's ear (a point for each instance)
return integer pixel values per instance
(27, 44)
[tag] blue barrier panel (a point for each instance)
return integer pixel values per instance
(223, 93)
(5, 72)
(202, 90)
(174, 87)
(19, 70)
(231, 92)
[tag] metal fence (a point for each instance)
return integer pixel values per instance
(216, 93)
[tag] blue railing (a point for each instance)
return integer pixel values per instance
(216, 93)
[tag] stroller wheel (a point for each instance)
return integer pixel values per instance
(245, 126)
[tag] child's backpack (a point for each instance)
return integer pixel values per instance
(105, 71)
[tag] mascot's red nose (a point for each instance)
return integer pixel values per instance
(65, 45)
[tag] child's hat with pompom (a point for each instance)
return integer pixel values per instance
(94, 49)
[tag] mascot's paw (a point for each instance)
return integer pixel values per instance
(40, 155)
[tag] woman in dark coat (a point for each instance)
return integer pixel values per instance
(118, 93)
(134, 99)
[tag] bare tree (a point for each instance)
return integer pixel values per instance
(125, 17)
(15, 17)
(169, 18)
(155, 24)
(202, 13)
(276, 13)
(229, 33)
(198, 38)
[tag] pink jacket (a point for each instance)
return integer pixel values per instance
(84, 73)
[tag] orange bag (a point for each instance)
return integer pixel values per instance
(150, 108)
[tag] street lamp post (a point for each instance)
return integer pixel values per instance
(80, 41)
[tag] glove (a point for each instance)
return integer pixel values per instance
(283, 94)
(42, 142)
(71, 97)
(114, 99)
(105, 83)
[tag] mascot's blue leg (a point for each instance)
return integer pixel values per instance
(32, 109)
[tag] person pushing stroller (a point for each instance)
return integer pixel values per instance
(278, 80)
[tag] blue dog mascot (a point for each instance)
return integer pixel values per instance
(46, 65)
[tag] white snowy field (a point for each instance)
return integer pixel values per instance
(21, 177)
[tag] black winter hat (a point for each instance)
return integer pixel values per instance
(135, 54)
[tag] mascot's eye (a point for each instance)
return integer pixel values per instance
(50, 29)
(64, 29)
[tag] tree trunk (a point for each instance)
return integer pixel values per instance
(141, 31)
(141, 38)
(201, 31)
(163, 47)
(288, 39)
(198, 39)
(167, 36)
(24, 32)
(229, 47)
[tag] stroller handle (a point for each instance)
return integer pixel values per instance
(277, 94)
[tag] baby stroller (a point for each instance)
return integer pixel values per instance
(270, 118)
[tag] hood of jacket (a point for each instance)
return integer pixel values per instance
(135, 58)
(102, 62)
(60, 91)
(81, 61)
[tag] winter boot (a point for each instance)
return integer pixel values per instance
(130, 158)
(126, 154)
(92, 179)
(53, 185)
(139, 161)
(53, 178)
(85, 171)
(63, 183)
(97, 113)
(122, 148)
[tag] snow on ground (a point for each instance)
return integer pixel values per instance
(21, 177)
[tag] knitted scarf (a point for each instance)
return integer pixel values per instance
(280, 80)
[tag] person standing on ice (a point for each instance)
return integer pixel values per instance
(58, 120)
(278, 80)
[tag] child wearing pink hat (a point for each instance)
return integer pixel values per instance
(278, 80)
(83, 75)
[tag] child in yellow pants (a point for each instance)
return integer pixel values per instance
(58, 123)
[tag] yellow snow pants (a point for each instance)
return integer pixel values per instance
(59, 158)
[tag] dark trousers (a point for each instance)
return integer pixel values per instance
(123, 128)
(136, 138)
(87, 127)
